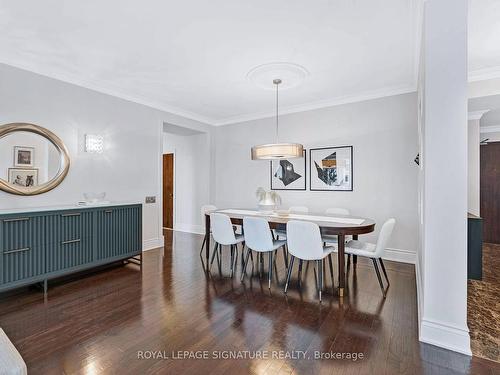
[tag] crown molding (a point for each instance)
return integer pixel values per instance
(476, 115)
(484, 74)
(489, 129)
(94, 86)
(319, 104)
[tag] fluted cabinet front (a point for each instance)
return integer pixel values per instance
(39, 246)
(22, 248)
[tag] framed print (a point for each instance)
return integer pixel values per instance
(24, 156)
(23, 177)
(289, 174)
(331, 169)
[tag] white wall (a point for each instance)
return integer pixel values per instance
(473, 139)
(443, 306)
(130, 167)
(384, 135)
(191, 178)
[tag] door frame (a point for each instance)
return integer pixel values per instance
(174, 205)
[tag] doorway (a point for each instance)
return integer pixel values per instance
(168, 191)
(490, 191)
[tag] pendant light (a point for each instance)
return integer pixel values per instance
(277, 150)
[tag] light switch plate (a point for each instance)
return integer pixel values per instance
(151, 199)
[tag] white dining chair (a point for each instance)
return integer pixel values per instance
(329, 238)
(304, 242)
(258, 238)
(224, 235)
(204, 209)
(280, 231)
(374, 251)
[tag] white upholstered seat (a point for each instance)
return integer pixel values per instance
(11, 362)
(258, 237)
(223, 234)
(304, 243)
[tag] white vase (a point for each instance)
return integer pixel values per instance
(267, 204)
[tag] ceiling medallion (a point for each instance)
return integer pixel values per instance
(291, 75)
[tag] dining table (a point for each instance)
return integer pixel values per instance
(330, 224)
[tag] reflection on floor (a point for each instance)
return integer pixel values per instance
(106, 322)
(484, 307)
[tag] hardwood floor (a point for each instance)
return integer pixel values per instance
(102, 323)
(484, 306)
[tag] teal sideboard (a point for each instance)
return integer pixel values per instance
(39, 245)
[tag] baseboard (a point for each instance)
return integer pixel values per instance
(420, 294)
(152, 243)
(400, 255)
(197, 229)
(445, 336)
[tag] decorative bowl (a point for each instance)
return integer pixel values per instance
(94, 197)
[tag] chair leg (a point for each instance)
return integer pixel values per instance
(261, 257)
(331, 268)
(384, 271)
(245, 264)
(232, 260)
(235, 257)
(219, 260)
(285, 256)
(378, 276)
(203, 244)
(289, 273)
(319, 266)
(270, 272)
(300, 272)
(213, 255)
(242, 253)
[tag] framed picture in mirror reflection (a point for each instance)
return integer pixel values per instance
(24, 156)
(23, 177)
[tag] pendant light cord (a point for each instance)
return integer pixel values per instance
(277, 82)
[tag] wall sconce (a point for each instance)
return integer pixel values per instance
(94, 144)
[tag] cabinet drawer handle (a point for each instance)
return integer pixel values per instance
(16, 219)
(17, 250)
(70, 241)
(108, 211)
(70, 215)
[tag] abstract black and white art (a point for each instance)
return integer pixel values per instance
(331, 168)
(289, 174)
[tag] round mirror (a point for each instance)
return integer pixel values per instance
(33, 160)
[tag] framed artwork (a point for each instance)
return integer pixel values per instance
(331, 169)
(289, 174)
(23, 177)
(24, 156)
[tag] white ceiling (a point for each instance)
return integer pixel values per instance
(191, 57)
(484, 39)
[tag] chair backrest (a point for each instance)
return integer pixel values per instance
(204, 209)
(384, 236)
(222, 229)
(337, 211)
(258, 235)
(304, 240)
(299, 209)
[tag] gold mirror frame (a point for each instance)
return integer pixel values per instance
(52, 138)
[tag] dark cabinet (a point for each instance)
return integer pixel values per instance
(39, 246)
(474, 247)
(117, 231)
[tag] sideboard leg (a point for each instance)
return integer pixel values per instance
(45, 286)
